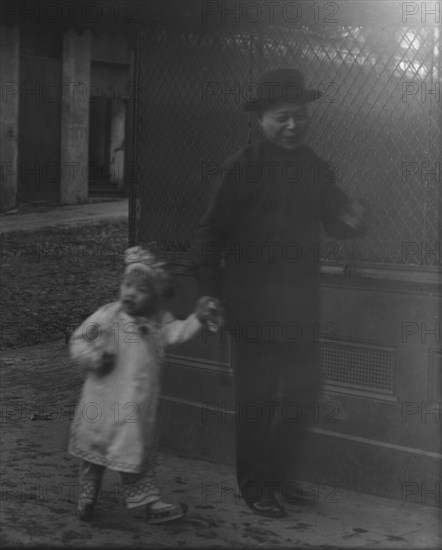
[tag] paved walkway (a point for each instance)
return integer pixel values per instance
(37, 217)
(39, 485)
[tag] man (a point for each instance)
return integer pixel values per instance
(256, 252)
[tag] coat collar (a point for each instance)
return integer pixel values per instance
(145, 325)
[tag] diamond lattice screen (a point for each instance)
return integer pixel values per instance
(377, 123)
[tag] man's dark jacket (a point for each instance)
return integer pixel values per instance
(265, 214)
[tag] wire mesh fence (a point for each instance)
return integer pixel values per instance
(377, 122)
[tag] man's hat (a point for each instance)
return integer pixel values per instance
(279, 86)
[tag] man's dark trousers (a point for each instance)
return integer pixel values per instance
(276, 388)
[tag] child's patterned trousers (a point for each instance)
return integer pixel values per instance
(138, 489)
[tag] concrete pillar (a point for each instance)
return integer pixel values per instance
(74, 152)
(9, 112)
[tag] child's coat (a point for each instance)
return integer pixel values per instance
(114, 423)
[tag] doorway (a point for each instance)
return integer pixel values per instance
(107, 124)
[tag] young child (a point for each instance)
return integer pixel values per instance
(120, 349)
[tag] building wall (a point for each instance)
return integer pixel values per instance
(110, 48)
(40, 94)
(53, 165)
(9, 113)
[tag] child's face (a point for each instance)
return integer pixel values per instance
(136, 294)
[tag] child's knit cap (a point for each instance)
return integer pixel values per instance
(144, 261)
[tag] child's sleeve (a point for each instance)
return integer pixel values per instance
(90, 340)
(175, 331)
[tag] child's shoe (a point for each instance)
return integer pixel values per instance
(86, 500)
(161, 512)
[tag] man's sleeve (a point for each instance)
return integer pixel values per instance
(212, 234)
(335, 205)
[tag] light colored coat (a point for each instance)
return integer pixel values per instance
(114, 423)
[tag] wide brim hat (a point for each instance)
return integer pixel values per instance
(279, 86)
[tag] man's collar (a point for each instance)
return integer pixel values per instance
(277, 150)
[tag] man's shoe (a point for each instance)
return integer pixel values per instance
(267, 508)
(300, 494)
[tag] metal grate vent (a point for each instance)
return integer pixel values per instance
(360, 367)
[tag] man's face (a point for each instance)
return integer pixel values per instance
(285, 125)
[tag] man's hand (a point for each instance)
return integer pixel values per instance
(356, 215)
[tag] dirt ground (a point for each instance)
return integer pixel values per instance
(39, 486)
(53, 278)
